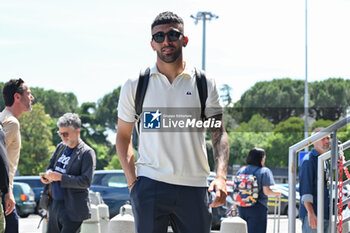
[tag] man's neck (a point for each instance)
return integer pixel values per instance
(16, 112)
(171, 70)
(320, 151)
(74, 145)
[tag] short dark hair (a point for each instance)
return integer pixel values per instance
(10, 89)
(255, 156)
(167, 17)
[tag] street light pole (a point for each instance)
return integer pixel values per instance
(306, 96)
(203, 15)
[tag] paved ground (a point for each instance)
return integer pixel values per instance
(30, 224)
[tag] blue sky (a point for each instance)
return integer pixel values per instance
(91, 47)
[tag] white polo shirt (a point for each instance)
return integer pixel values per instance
(175, 156)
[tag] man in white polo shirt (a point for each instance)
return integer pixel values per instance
(169, 184)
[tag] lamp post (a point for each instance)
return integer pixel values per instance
(306, 96)
(203, 15)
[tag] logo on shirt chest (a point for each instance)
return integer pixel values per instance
(152, 120)
(62, 162)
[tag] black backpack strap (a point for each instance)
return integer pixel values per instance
(202, 87)
(140, 95)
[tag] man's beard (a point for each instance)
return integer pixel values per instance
(27, 104)
(170, 58)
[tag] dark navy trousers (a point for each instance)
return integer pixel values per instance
(11, 219)
(59, 222)
(255, 216)
(156, 205)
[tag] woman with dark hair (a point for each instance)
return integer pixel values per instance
(256, 215)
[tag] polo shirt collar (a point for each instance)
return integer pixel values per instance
(188, 71)
(314, 152)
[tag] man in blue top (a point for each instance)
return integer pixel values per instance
(71, 170)
(308, 187)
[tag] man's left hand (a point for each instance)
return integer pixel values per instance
(10, 202)
(219, 186)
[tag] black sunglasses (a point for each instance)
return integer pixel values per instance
(173, 35)
(64, 134)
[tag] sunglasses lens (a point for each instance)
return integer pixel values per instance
(64, 134)
(173, 35)
(159, 37)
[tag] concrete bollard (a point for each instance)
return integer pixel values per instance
(44, 225)
(123, 222)
(99, 198)
(92, 225)
(233, 225)
(104, 217)
(127, 208)
(346, 227)
(95, 198)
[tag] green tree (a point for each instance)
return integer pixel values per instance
(321, 123)
(37, 146)
(242, 142)
(2, 103)
(285, 134)
(256, 124)
(56, 103)
(102, 154)
(94, 134)
(107, 110)
(229, 119)
(248, 135)
(114, 164)
(91, 130)
(330, 98)
(276, 100)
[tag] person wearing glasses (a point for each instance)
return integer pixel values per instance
(18, 99)
(71, 170)
(169, 183)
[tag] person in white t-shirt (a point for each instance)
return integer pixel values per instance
(169, 183)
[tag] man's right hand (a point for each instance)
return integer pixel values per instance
(311, 216)
(130, 188)
(10, 202)
(44, 180)
(312, 220)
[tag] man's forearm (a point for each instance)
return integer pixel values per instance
(12, 172)
(126, 158)
(309, 208)
(220, 149)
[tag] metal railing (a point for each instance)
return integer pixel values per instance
(293, 167)
(320, 190)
